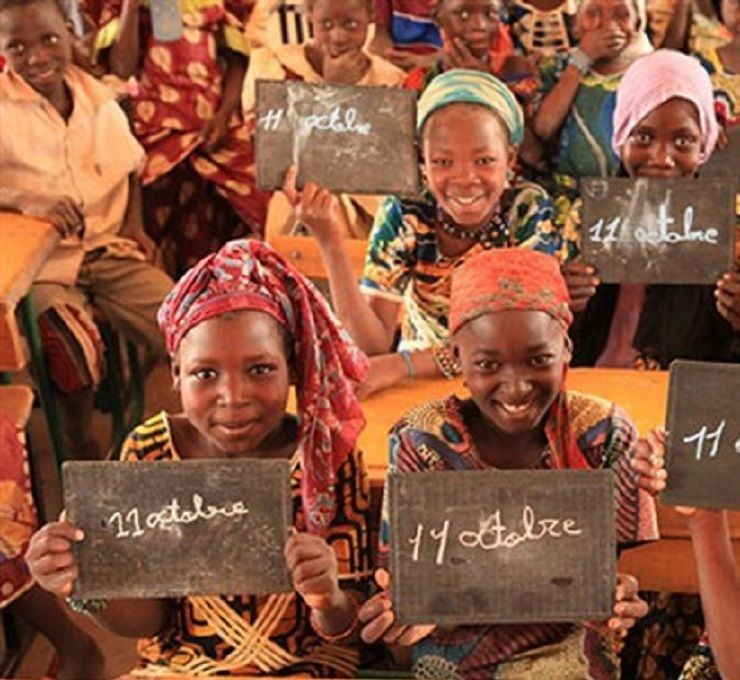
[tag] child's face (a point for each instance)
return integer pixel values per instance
(731, 15)
(340, 27)
(513, 364)
(37, 44)
(466, 158)
(666, 143)
(233, 378)
(475, 22)
(618, 15)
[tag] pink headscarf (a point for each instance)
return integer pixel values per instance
(654, 79)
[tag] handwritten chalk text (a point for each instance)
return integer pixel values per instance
(339, 120)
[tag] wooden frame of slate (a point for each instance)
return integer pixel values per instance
(174, 528)
(477, 547)
(346, 138)
(658, 231)
(703, 444)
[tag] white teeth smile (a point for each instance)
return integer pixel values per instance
(515, 409)
(466, 201)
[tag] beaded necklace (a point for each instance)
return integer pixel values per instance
(487, 235)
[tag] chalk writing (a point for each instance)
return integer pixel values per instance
(701, 437)
(339, 120)
(609, 232)
(493, 534)
(172, 515)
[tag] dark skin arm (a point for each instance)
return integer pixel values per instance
(133, 221)
(124, 53)
(51, 563)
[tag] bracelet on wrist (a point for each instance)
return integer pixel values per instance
(446, 361)
(406, 356)
(343, 634)
(580, 60)
(92, 606)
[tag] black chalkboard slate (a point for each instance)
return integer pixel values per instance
(440, 573)
(162, 554)
(649, 230)
(347, 138)
(725, 163)
(703, 447)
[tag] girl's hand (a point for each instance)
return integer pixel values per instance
(603, 43)
(213, 133)
(628, 605)
(649, 462)
(581, 282)
(459, 56)
(315, 207)
(313, 566)
(378, 620)
(49, 557)
(346, 69)
(727, 294)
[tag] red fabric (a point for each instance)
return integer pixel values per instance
(248, 274)
(508, 279)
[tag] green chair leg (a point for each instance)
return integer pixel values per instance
(43, 384)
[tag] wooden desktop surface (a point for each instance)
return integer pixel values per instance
(25, 245)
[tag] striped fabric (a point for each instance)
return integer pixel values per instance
(409, 23)
(434, 436)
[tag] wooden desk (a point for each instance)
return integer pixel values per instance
(25, 245)
(642, 393)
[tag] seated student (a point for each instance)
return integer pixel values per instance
(666, 132)
(509, 321)
(241, 326)
(78, 657)
(469, 125)
(335, 55)
(579, 89)
(68, 156)
(199, 160)
(405, 32)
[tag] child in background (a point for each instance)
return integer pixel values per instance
(78, 656)
(405, 33)
(723, 64)
(666, 132)
(579, 90)
(469, 125)
(335, 55)
(509, 319)
(241, 326)
(63, 131)
(199, 188)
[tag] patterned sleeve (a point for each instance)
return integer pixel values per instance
(390, 253)
(348, 533)
(549, 69)
(531, 214)
(636, 514)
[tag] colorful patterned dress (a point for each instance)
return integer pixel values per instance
(403, 261)
(18, 519)
(195, 200)
(726, 86)
(259, 635)
(435, 436)
(541, 33)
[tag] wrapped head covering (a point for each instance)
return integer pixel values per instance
(249, 275)
(464, 86)
(653, 80)
(520, 279)
(508, 279)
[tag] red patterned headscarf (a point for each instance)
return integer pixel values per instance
(506, 279)
(249, 275)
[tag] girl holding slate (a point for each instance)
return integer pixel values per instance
(509, 319)
(470, 126)
(667, 132)
(335, 55)
(241, 326)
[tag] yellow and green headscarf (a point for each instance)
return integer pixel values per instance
(465, 86)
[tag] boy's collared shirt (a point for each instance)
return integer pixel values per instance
(88, 158)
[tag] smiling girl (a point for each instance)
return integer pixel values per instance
(509, 319)
(241, 326)
(470, 126)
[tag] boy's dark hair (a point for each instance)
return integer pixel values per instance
(7, 4)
